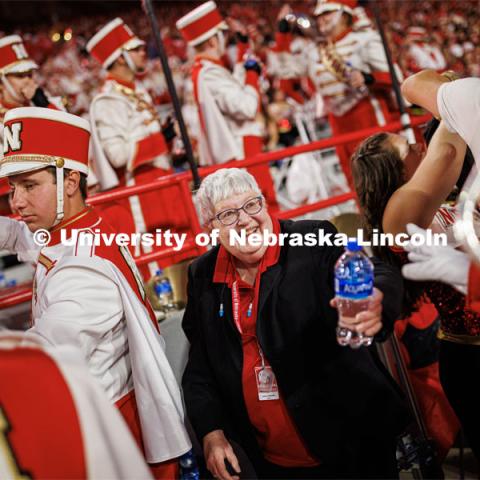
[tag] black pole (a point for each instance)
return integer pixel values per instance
(404, 116)
(148, 9)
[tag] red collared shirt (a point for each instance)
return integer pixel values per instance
(276, 434)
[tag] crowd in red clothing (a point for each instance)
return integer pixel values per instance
(67, 70)
(435, 35)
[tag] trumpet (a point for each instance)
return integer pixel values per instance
(302, 23)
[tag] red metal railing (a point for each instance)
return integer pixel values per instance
(24, 294)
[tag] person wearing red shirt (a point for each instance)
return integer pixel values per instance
(264, 367)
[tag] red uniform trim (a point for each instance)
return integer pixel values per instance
(382, 78)
(287, 85)
(342, 35)
(127, 406)
(242, 48)
(197, 67)
(125, 83)
(88, 219)
(283, 41)
(44, 431)
(148, 148)
(251, 79)
(200, 57)
(82, 220)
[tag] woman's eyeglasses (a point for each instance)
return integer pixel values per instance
(231, 216)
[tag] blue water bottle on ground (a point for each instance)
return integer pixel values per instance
(164, 291)
(188, 467)
(353, 289)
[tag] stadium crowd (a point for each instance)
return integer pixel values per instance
(85, 109)
(450, 27)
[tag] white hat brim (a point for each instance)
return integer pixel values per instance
(209, 33)
(331, 7)
(8, 169)
(133, 43)
(21, 66)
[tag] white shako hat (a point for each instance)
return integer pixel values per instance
(36, 138)
(326, 6)
(14, 58)
(201, 23)
(111, 41)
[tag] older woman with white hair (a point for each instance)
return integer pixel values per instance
(264, 367)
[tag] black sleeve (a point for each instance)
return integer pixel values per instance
(332, 253)
(40, 99)
(202, 400)
(389, 281)
(241, 38)
(368, 78)
(283, 26)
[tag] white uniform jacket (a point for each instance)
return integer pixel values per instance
(227, 109)
(105, 444)
(121, 117)
(92, 297)
(357, 50)
(423, 55)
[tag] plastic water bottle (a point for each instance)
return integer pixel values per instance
(188, 467)
(163, 290)
(353, 289)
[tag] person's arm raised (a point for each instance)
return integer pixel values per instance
(422, 89)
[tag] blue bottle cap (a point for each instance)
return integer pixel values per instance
(353, 245)
(159, 272)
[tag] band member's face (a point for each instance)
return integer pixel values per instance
(139, 58)
(254, 223)
(19, 82)
(328, 22)
(34, 197)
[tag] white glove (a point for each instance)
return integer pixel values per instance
(437, 263)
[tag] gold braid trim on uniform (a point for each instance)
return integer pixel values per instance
(139, 101)
(462, 339)
(334, 62)
(46, 262)
(29, 157)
